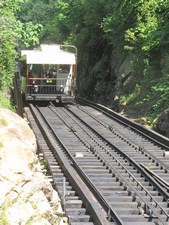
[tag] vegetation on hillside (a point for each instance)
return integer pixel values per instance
(105, 34)
(13, 35)
(5, 101)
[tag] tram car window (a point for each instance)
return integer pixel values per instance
(50, 73)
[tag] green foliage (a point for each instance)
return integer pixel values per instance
(165, 64)
(163, 29)
(41, 12)
(130, 25)
(120, 15)
(5, 101)
(143, 33)
(28, 33)
(105, 32)
(7, 41)
(132, 95)
(161, 90)
(12, 33)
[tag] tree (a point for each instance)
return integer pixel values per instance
(40, 12)
(7, 40)
(13, 32)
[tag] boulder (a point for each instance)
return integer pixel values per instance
(27, 196)
(162, 123)
(124, 69)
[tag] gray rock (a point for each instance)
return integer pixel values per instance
(162, 123)
(27, 196)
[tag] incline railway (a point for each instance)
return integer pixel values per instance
(106, 169)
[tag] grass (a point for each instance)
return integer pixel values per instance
(5, 100)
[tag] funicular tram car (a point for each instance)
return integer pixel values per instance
(50, 73)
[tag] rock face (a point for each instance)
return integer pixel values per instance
(27, 197)
(162, 123)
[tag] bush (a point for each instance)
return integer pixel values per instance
(5, 100)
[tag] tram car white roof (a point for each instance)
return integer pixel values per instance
(49, 54)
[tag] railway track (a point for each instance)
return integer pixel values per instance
(106, 169)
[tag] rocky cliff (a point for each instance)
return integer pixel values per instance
(27, 197)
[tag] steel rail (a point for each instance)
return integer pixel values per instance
(139, 148)
(77, 183)
(108, 208)
(162, 191)
(156, 184)
(150, 134)
(112, 169)
(162, 182)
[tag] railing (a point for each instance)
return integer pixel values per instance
(50, 86)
